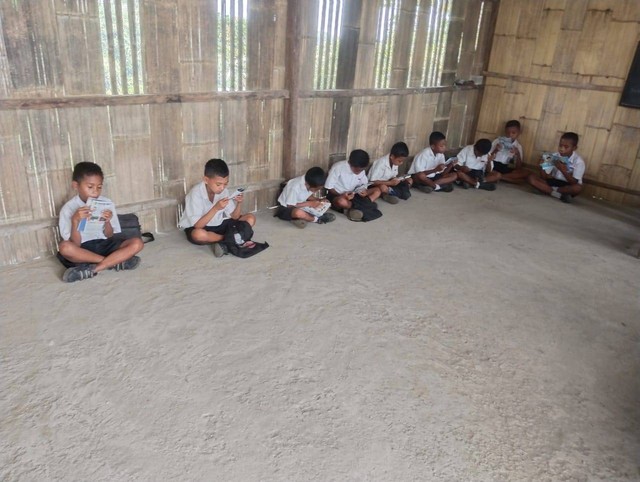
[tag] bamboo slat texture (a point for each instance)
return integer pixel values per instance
(151, 89)
(560, 66)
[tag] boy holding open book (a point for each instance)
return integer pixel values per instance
(384, 174)
(87, 224)
(429, 169)
(298, 202)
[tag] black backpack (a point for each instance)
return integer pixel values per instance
(368, 207)
(237, 234)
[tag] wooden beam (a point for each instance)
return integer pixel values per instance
(554, 83)
(292, 83)
(141, 99)
(338, 93)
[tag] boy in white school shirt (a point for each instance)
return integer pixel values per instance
(564, 179)
(384, 174)
(346, 180)
(298, 194)
(209, 211)
(87, 252)
(428, 168)
(474, 166)
(506, 150)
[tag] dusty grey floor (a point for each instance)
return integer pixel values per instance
(463, 336)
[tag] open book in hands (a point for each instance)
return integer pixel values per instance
(402, 178)
(549, 162)
(318, 211)
(95, 223)
(237, 192)
(451, 160)
(506, 143)
(360, 188)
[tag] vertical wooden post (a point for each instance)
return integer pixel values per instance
(347, 59)
(292, 78)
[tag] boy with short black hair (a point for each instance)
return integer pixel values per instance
(384, 174)
(506, 150)
(209, 211)
(474, 166)
(346, 180)
(86, 252)
(300, 193)
(561, 176)
(429, 171)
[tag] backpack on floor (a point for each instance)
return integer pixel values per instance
(130, 228)
(368, 207)
(237, 235)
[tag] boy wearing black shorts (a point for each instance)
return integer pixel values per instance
(298, 198)
(474, 166)
(209, 211)
(85, 252)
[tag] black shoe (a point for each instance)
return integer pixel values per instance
(446, 188)
(487, 186)
(566, 198)
(79, 273)
(219, 250)
(326, 218)
(131, 263)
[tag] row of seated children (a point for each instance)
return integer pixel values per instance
(210, 209)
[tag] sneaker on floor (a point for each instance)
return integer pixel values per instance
(299, 223)
(326, 218)
(465, 185)
(390, 199)
(446, 188)
(355, 215)
(131, 263)
(487, 186)
(79, 273)
(566, 198)
(424, 188)
(219, 250)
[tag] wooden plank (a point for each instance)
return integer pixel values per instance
(574, 14)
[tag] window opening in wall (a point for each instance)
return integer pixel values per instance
(385, 40)
(232, 44)
(327, 44)
(121, 45)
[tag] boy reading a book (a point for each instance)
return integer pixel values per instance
(298, 202)
(429, 169)
(88, 246)
(506, 151)
(384, 174)
(474, 166)
(210, 209)
(560, 175)
(346, 180)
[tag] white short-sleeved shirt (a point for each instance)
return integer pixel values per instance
(426, 160)
(467, 157)
(69, 209)
(503, 156)
(294, 192)
(383, 170)
(576, 168)
(343, 179)
(197, 204)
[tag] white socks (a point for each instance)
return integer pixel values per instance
(437, 188)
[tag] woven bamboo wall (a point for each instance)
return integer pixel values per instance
(560, 66)
(331, 125)
(65, 97)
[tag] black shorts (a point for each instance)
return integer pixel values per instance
(556, 183)
(502, 168)
(219, 229)
(284, 213)
(103, 247)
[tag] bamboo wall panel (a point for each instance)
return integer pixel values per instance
(560, 66)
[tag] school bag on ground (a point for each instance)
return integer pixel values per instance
(236, 237)
(368, 207)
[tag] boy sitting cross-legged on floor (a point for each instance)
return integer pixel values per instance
(348, 188)
(474, 166)
(430, 173)
(88, 246)
(384, 174)
(209, 211)
(298, 198)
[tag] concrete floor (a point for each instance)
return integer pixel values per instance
(463, 336)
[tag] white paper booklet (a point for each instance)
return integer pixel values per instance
(549, 162)
(95, 223)
(319, 211)
(236, 193)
